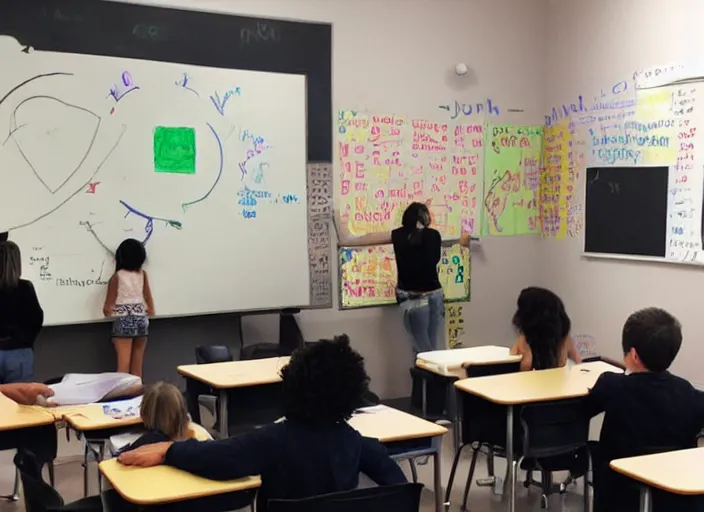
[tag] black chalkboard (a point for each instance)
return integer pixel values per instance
(626, 211)
(114, 29)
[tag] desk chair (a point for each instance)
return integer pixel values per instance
(42, 497)
(197, 393)
(399, 498)
(483, 427)
(555, 438)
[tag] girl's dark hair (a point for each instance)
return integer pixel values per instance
(542, 319)
(324, 383)
(130, 255)
(415, 218)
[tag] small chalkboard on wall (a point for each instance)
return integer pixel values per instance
(626, 212)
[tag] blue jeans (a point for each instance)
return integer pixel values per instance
(16, 365)
(424, 320)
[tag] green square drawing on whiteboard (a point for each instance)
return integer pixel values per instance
(175, 150)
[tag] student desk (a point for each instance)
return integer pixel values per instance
(94, 428)
(521, 388)
(163, 484)
(405, 436)
(14, 416)
(451, 365)
(234, 374)
(665, 471)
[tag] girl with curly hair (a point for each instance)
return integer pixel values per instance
(544, 331)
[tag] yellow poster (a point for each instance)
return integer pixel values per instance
(454, 323)
(653, 130)
(556, 181)
(368, 275)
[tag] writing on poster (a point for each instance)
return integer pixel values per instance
(454, 323)
(558, 179)
(368, 275)
(512, 179)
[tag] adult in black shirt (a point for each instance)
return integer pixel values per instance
(21, 318)
(417, 249)
(648, 410)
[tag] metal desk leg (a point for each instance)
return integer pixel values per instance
(510, 460)
(424, 397)
(437, 476)
(646, 500)
(453, 413)
(224, 424)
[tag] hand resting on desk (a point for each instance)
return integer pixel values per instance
(145, 456)
(26, 393)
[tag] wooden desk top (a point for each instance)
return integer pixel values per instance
(164, 484)
(236, 374)
(679, 472)
(91, 417)
(451, 363)
(388, 425)
(14, 416)
(537, 386)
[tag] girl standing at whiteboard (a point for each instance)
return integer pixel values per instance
(129, 302)
(417, 248)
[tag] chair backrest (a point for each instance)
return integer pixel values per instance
(39, 496)
(399, 498)
(206, 354)
(485, 370)
(554, 428)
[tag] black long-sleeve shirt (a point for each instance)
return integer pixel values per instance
(644, 413)
(294, 461)
(21, 316)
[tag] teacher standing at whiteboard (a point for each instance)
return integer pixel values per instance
(417, 248)
(21, 318)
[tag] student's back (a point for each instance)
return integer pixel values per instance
(314, 451)
(648, 411)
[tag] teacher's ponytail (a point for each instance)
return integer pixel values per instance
(415, 219)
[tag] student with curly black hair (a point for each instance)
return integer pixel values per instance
(313, 451)
(544, 331)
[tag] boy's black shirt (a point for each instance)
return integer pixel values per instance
(644, 413)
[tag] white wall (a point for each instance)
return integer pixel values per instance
(591, 45)
(389, 56)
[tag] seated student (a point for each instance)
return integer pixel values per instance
(313, 452)
(544, 328)
(165, 417)
(648, 410)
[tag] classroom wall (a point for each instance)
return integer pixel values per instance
(592, 44)
(390, 56)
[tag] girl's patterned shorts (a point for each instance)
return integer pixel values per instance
(133, 324)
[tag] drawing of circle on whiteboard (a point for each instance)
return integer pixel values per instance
(53, 147)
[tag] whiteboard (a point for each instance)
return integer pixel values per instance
(207, 166)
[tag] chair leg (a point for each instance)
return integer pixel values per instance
(85, 468)
(586, 493)
(52, 477)
(451, 480)
(414, 471)
(16, 486)
(490, 461)
(546, 479)
(470, 475)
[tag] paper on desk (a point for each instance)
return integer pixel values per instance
(373, 409)
(123, 409)
(88, 388)
(120, 441)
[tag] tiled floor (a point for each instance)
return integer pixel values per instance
(69, 480)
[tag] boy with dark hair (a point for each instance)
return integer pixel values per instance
(648, 410)
(313, 452)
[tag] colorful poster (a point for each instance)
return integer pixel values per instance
(557, 183)
(454, 323)
(387, 162)
(653, 130)
(368, 275)
(511, 179)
